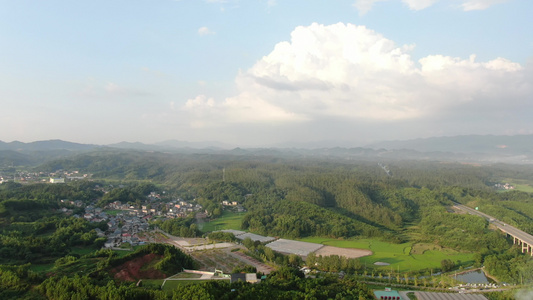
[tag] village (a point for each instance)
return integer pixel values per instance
(60, 176)
(127, 223)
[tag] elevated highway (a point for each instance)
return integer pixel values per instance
(521, 238)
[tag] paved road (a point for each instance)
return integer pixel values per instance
(524, 236)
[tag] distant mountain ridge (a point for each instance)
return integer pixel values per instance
(45, 146)
(472, 148)
(490, 144)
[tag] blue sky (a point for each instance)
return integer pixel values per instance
(263, 73)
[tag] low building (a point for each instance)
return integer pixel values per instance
(57, 180)
(387, 294)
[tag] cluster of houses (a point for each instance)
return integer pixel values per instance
(60, 176)
(233, 204)
(125, 226)
(22, 176)
(174, 209)
(121, 228)
(504, 186)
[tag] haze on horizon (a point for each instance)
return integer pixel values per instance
(261, 73)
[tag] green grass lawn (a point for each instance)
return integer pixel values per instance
(228, 220)
(524, 187)
(399, 256)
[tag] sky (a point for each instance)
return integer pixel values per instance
(262, 73)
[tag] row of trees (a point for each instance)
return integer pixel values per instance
(184, 227)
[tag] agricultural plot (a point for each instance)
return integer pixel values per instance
(520, 184)
(404, 257)
(294, 247)
(228, 220)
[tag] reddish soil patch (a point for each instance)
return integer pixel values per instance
(133, 270)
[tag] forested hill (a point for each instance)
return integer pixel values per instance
(305, 196)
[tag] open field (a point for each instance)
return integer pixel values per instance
(228, 220)
(405, 257)
(520, 185)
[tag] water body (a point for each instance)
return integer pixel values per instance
(473, 277)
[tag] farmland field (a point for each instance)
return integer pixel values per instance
(405, 257)
(228, 220)
(521, 185)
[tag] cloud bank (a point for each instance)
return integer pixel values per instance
(354, 76)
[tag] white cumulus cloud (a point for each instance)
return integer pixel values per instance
(350, 74)
(419, 4)
(480, 4)
(205, 31)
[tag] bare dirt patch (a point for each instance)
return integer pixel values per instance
(346, 252)
(136, 269)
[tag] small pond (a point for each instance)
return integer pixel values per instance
(473, 277)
